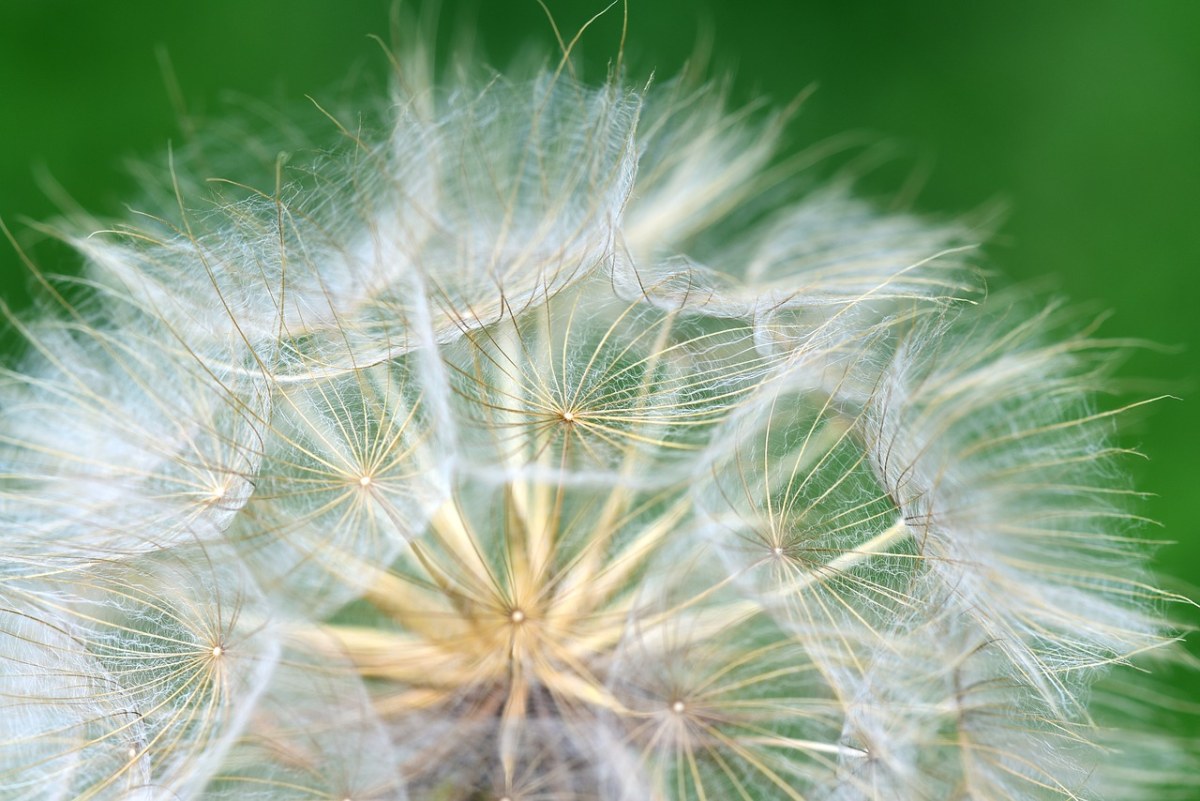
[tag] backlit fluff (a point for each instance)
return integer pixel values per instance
(537, 443)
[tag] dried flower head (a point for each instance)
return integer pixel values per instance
(541, 443)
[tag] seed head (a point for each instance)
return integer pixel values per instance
(540, 443)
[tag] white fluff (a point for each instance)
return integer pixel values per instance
(524, 446)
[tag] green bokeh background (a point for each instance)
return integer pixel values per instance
(1083, 117)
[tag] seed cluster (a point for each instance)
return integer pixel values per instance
(548, 445)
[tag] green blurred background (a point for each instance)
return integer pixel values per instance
(1083, 117)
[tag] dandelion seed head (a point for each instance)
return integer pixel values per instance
(544, 440)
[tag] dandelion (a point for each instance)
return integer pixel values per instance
(535, 444)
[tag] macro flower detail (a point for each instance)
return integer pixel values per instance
(539, 441)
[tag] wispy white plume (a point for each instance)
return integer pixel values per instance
(540, 440)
